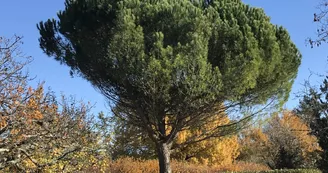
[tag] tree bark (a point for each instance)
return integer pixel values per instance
(164, 151)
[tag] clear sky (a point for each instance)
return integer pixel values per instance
(21, 16)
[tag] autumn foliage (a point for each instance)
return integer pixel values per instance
(285, 142)
(38, 132)
(214, 151)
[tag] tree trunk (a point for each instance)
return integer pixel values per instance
(163, 151)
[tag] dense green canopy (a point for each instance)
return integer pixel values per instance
(182, 46)
(175, 59)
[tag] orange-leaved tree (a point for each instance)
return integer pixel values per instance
(284, 142)
(37, 132)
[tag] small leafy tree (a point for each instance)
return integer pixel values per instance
(37, 132)
(174, 60)
(285, 143)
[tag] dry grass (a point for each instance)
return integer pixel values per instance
(129, 165)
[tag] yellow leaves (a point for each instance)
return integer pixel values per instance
(287, 132)
(38, 115)
(84, 139)
(36, 105)
(222, 151)
(29, 164)
(300, 130)
(216, 151)
(14, 131)
(182, 137)
(225, 152)
(3, 121)
(20, 89)
(56, 151)
(36, 125)
(92, 159)
(33, 108)
(255, 137)
(293, 122)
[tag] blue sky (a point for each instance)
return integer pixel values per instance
(20, 17)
